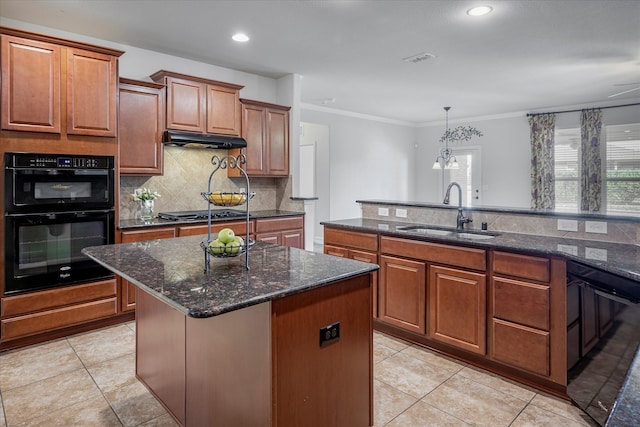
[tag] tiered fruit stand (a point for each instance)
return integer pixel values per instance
(227, 199)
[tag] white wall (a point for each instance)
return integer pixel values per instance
(506, 164)
(367, 160)
(318, 135)
(506, 154)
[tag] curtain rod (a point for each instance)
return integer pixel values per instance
(574, 111)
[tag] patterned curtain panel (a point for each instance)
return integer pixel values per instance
(542, 161)
(591, 160)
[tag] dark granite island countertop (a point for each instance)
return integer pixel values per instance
(274, 345)
(173, 270)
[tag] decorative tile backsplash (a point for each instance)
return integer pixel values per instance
(186, 175)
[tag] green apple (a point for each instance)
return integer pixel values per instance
(234, 246)
(226, 235)
(216, 247)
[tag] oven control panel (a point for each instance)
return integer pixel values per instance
(56, 161)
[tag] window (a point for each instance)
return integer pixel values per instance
(567, 169)
(622, 179)
(621, 164)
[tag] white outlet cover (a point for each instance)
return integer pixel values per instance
(568, 249)
(567, 225)
(595, 227)
(595, 253)
(383, 211)
(401, 213)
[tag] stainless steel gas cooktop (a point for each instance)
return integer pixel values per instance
(201, 215)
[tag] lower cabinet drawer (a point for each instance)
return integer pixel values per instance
(351, 239)
(521, 347)
(238, 227)
(30, 324)
(58, 297)
(521, 302)
(279, 224)
(524, 266)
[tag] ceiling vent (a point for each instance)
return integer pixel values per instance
(419, 57)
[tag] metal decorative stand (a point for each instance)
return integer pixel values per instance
(228, 199)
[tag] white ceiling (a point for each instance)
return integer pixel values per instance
(525, 56)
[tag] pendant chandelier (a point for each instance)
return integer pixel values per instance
(446, 159)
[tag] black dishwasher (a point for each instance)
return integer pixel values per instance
(603, 334)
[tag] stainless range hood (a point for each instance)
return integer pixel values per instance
(198, 140)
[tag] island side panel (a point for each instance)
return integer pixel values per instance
(160, 351)
(229, 369)
(330, 385)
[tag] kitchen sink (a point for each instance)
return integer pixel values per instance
(426, 230)
(438, 231)
(476, 236)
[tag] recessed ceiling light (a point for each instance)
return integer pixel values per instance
(479, 11)
(240, 37)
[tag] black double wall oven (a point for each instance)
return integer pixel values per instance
(56, 205)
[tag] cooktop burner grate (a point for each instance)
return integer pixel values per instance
(198, 215)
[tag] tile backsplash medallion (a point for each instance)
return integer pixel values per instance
(186, 175)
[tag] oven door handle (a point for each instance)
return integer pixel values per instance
(54, 215)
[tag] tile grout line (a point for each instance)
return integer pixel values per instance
(84, 366)
(4, 413)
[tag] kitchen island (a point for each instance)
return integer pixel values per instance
(286, 342)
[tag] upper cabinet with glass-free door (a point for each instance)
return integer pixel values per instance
(266, 128)
(200, 105)
(58, 86)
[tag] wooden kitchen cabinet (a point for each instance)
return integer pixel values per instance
(354, 245)
(506, 312)
(238, 227)
(451, 300)
(186, 103)
(200, 105)
(92, 93)
(128, 290)
(223, 109)
(140, 127)
(402, 296)
(30, 100)
(528, 325)
(265, 127)
(287, 231)
(49, 310)
(457, 308)
(34, 98)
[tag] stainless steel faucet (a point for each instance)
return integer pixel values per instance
(461, 220)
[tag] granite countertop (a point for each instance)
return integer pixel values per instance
(626, 410)
(616, 258)
(126, 224)
(503, 209)
(173, 270)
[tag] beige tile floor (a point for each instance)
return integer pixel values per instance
(89, 380)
